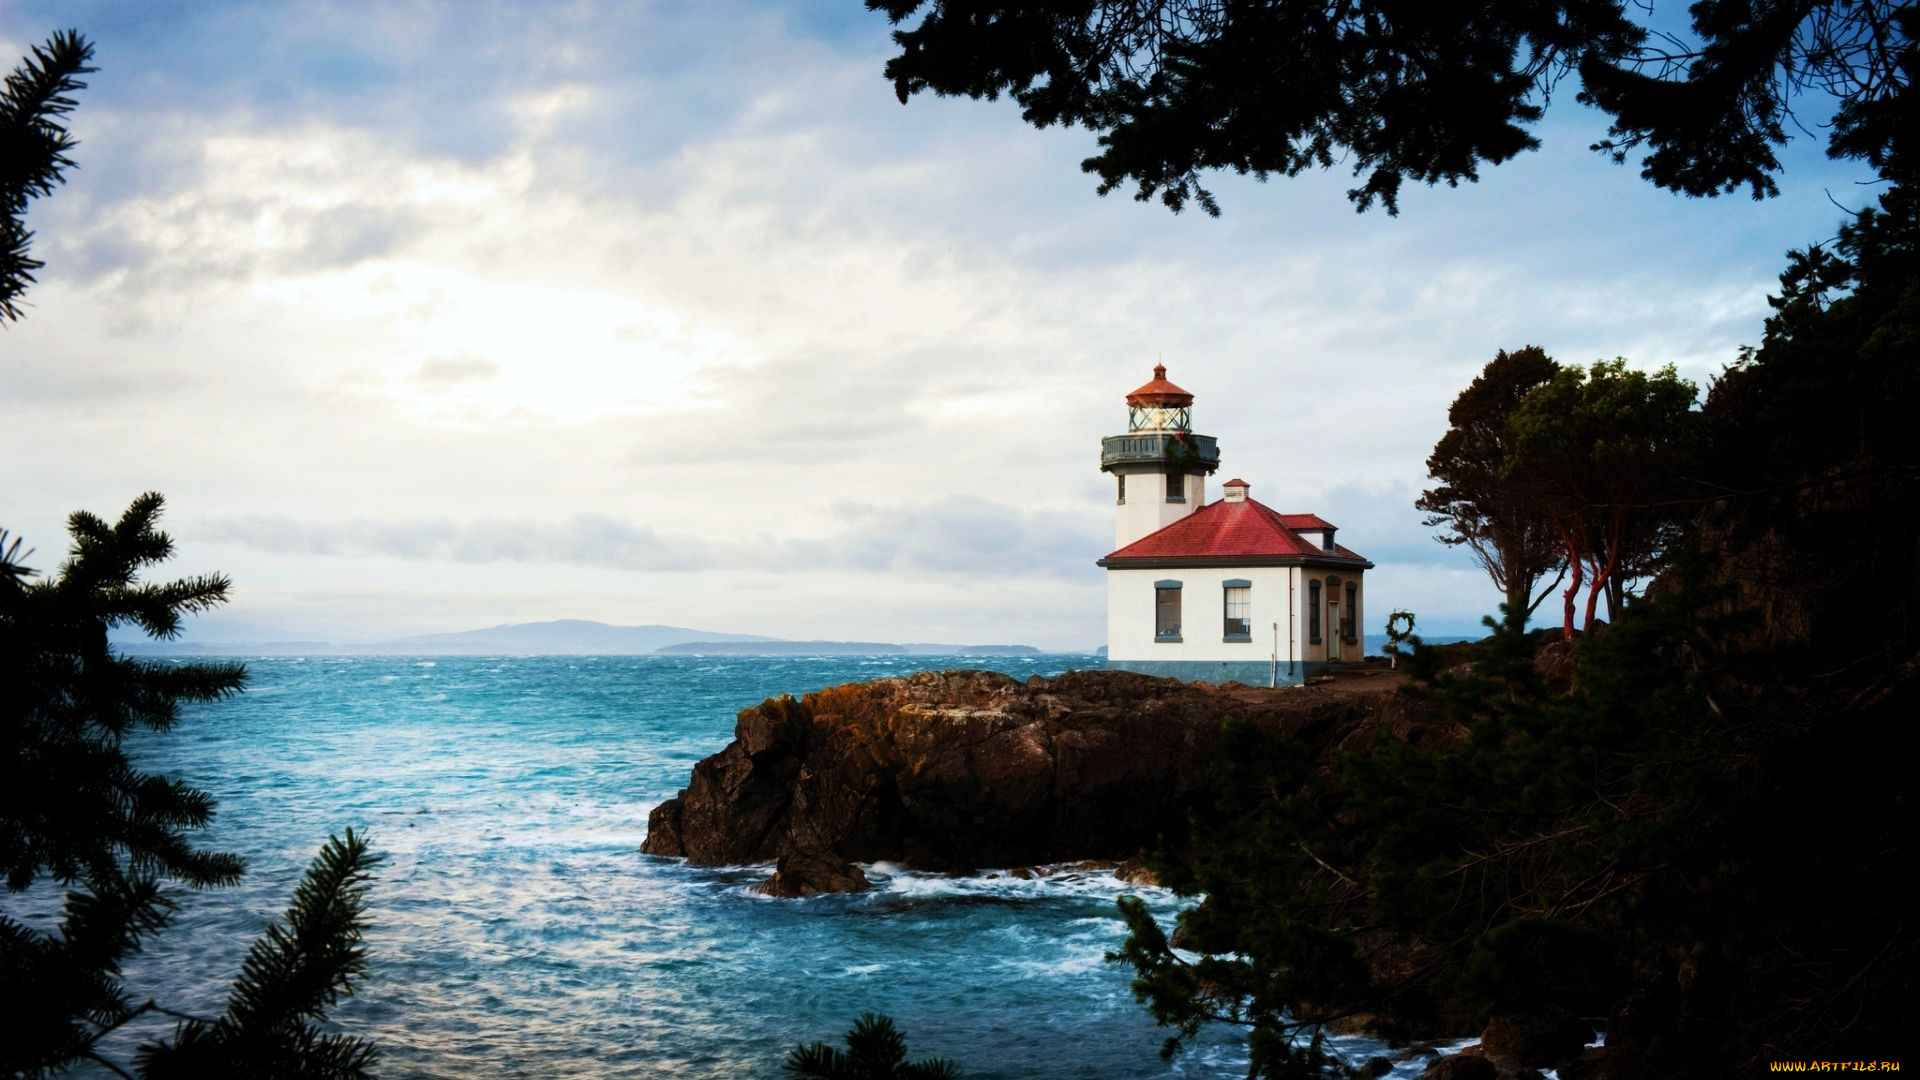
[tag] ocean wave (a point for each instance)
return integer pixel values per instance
(519, 932)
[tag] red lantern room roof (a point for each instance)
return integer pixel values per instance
(1159, 391)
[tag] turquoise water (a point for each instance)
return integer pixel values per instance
(518, 931)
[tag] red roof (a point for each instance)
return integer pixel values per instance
(1159, 391)
(1233, 530)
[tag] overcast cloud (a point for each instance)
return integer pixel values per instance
(430, 316)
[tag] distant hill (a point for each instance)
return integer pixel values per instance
(924, 649)
(193, 647)
(199, 631)
(764, 647)
(560, 637)
(563, 637)
(770, 647)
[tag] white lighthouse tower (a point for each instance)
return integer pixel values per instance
(1160, 466)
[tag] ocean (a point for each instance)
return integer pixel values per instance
(517, 930)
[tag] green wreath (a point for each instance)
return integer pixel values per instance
(1397, 633)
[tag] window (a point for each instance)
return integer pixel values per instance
(1176, 487)
(1123, 489)
(1239, 610)
(1313, 611)
(1159, 418)
(1166, 611)
(1351, 617)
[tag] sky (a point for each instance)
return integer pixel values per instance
(432, 316)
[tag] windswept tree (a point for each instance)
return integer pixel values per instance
(1603, 454)
(1476, 502)
(1421, 92)
(79, 816)
(34, 142)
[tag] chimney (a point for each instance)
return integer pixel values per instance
(1235, 490)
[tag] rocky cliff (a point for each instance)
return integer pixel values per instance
(965, 769)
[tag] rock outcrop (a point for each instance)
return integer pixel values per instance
(1542, 1039)
(1516, 1046)
(965, 769)
(810, 874)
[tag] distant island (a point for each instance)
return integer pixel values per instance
(764, 647)
(782, 648)
(560, 637)
(974, 650)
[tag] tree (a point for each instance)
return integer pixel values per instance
(1601, 454)
(1427, 92)
(34, 143)
(1476, 501)
(1645, 827)
(875, 1051)
(77, 814)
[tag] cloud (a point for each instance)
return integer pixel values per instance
(585, 538)
(972, 536)
(401, 283)
(446, 372)
(952, 536)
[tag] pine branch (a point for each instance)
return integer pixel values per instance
(875, 1051)
(319, 955)
(34, 143)
(298, 969)
(816, 1061)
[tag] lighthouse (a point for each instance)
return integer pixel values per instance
(1160, 467)
(1227, 591)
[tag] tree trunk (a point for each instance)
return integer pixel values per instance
(1594, 590)
(1519, 591)
(1603, 573)
(1573, 587)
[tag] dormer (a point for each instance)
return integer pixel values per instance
(1313, 529)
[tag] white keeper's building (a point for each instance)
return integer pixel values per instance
(1231, 590)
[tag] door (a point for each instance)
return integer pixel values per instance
(1333, 629)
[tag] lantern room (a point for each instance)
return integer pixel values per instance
(1159, 405)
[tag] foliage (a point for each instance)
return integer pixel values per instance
(1400, 626)
(1274, 957)
(1602, 454)
(34, 143)
(1526, 852)
(290, 978)
(1477, 501)
(875, 1051)
(1831, 389)
(1690, 824)
(1410, 91)
(76, 812)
